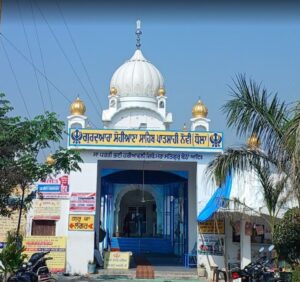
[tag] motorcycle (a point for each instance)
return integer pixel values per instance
(34, 270)
(259, 271)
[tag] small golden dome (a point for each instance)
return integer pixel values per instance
(253, 142)
(113, 91)
(199, 110)
(184, 127)
(50, 161)
(161, 92)
(77, 107)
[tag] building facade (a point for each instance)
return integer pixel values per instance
(145, 184)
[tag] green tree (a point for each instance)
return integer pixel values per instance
(252, 111)
(11, 257)
(21, 143)
(287, 236)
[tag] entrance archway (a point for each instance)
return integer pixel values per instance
(137, 214)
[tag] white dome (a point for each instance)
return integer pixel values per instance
(137, 78)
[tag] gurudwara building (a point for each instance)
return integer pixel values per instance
(145, 184)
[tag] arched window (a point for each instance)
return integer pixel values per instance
(76, 125)
(161, 104)
(112, 103)
(200, 128)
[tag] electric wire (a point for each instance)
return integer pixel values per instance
(30, 55)
(41, 55)
(15, 78)
(29, 62)
(78, 53)
(54, 146)
(66, 57)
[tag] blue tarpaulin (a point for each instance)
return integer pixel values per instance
(217, 200)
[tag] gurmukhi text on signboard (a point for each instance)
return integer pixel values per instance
(46, 209)
(81, 222)
(83, 202)
(139, 138)
(55, 244)
(212, 227)
(116, 260)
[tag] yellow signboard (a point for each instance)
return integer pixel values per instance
(10, 224)
(212, 227)
(46, 209)
(56, 245)
(81, 222)
(139, 138)
(116, 260)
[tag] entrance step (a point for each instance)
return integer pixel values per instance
(142, 245)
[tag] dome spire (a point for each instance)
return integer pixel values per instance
(138, 33)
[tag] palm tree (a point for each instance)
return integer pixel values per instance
(252, 111)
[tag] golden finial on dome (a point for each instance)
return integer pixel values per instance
(50, 160)
(77, 107)
(113, 91)
(199, 110)
(253, 142)
(161, 91)
(184, 127)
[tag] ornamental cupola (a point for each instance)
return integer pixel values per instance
(199, 119)
(199, 110)
(137, 97)
(253, 142)
(77, 107)
(77, 119)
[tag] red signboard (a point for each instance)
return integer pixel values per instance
(83, 202)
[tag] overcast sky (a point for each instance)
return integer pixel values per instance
(199, 49)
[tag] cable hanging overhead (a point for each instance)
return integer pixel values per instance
(67, 58)
(30, 55)
(78, 54)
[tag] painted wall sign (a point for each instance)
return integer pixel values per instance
(211, 227)
(83, 202)
(10, 224)
(46, 209)
(139, 138)
(54, 188)
(116, 260)
(180, 156)
(81, 222)
(210, 244)
(55, 244)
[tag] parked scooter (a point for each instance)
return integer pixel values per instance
(34, 270)
(258, 271)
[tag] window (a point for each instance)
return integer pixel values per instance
(161, 104)
(143, 126)
(76, 125)
(43, 228)
(112, 103)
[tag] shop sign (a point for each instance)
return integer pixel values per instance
(83, 202)
(81, 222)
(212, 227)
(210, 245)
(55, 244)
(141, 138)
(46, 209)
(116, 260)
(10, 224)
(54, 188)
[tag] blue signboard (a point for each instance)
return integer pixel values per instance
(49, 187)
